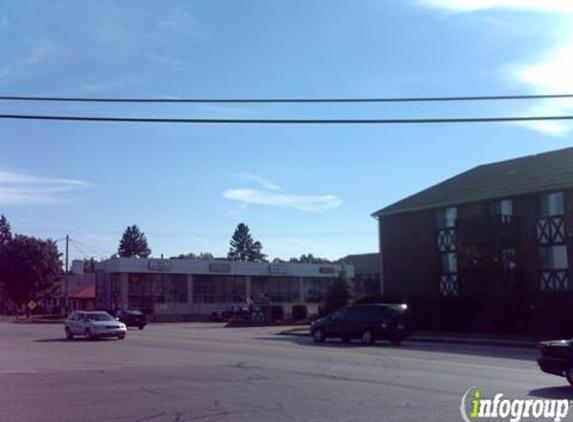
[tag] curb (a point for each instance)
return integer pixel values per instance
(446, 340)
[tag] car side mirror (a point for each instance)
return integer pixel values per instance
(117, 318)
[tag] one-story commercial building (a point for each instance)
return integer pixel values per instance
(184, 289)
(488, 249)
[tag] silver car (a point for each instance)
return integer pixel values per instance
(94, 325)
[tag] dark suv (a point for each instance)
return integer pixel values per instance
(131, 318)
(365, 322)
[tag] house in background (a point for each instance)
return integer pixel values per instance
(83, 299)
(489, 249)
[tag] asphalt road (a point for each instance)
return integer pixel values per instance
(204, 372)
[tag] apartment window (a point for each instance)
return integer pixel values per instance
(503, 207)
(553, 257)
(449, 262)
(506, 207)
(447, 217)
(551, 204)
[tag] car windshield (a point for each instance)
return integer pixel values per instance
(98, 317)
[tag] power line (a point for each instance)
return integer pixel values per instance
(288, 100)
(80, 250)
(89, 248)
(285, 121)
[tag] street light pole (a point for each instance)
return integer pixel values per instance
(66, 299)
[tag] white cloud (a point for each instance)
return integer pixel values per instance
(299, 202)
(9, 177)
(26, 189)
(548, 73)
(264, 183)
(556, 6)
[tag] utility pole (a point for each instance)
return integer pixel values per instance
(66, 301)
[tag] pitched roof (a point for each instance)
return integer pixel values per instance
(535, 173)
(88, 292)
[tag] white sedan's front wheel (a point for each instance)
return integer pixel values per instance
(69, 334)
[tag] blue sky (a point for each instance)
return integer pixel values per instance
(303, 189)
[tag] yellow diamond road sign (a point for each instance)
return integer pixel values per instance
(32, 305)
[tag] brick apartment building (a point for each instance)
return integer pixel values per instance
(488, 249)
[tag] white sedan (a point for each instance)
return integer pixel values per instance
(94, 325)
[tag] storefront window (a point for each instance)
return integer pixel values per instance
(219, 289)
(279, 289)
(315, 289)
(147, 289)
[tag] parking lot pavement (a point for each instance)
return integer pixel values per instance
(194, 371)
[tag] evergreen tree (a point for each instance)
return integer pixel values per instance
(133, 243)
(339, 294)
(207, 256)
(243, 248)
(5, 232)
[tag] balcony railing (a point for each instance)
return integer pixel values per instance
(489, 228)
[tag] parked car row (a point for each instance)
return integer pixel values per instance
(100, 324)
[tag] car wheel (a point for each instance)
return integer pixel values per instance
(395, 339)
(69, 334)
(89, 335)
(346, 339)
(318, 335)
(569, 374)
(121, 336)
(141, 327)
(367, 337)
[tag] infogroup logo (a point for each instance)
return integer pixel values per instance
(474, 407)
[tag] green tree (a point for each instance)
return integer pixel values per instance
(339, 294)
(89, 265)
(29, 268)
(310, 259)
(5, 232)
(243, 247)
(133, 243)
(207, 256)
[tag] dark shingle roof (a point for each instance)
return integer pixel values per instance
(535, 173)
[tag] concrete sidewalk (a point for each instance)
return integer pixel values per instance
(452, 338)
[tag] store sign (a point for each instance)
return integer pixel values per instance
(278, 269)
(327, 270)
(219, 267)
(159, 265)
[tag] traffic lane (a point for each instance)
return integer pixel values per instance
(352, 379)
(144, 346)
(160, 346)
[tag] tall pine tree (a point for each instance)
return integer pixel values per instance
(5, 232)
(133, 243)
(243, 247)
